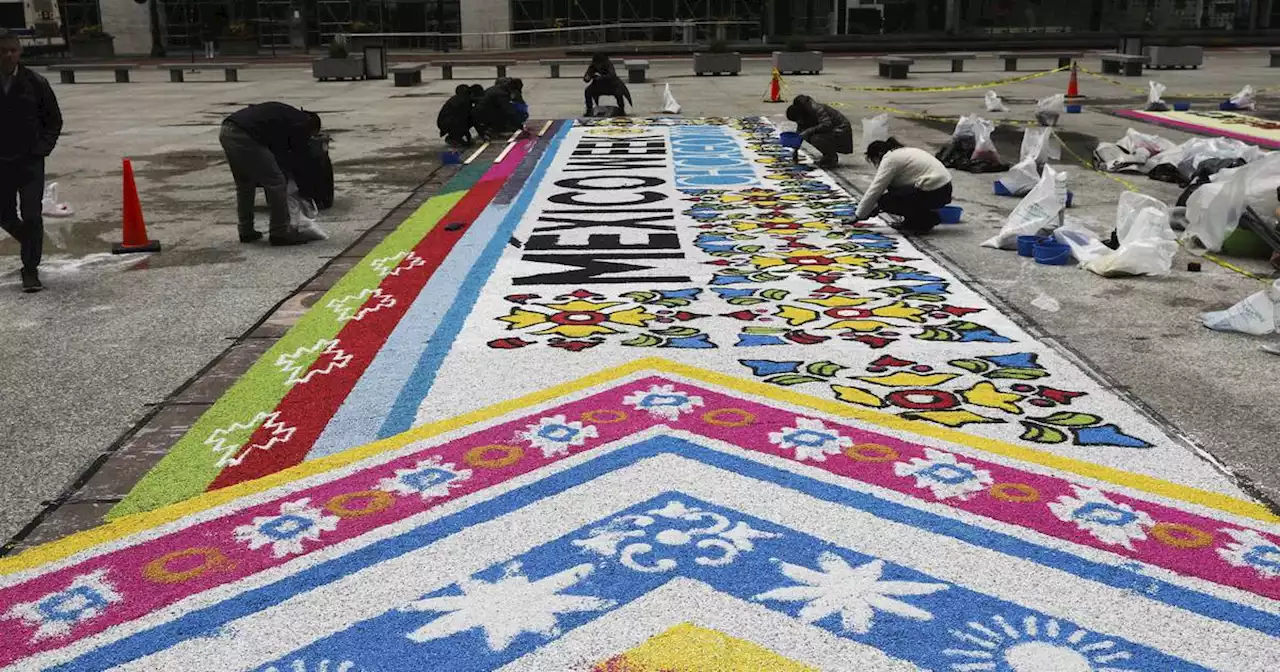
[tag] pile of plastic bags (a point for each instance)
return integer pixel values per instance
(971, 148)
(1039, 146)
(1147, 241)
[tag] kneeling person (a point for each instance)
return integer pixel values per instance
(454, 119)
(909, 182)
(265, 144)
(823, 127)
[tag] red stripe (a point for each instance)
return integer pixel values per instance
(309, 406)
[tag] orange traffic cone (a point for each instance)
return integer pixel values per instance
(775, 88)
(1073, 87)
(135, 229)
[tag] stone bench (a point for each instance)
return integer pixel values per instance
(177, 71)
(67, 73)
(957, 58)
(894, 67)
(1011, 57)
(407, 74)
(446, 67)
(636, 71)
(1128, 65)
(556, 63)
(1275, 58)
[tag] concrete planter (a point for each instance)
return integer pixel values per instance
(798, 62)
(100, 47)
(237, 46)
(338, 68)
(1174, 57)
(717, 63)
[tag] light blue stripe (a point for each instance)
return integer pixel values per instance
(208, 622)
(402, 415)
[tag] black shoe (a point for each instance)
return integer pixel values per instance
(829, 161)
(31, 281)
(251, 237)
(286, 239)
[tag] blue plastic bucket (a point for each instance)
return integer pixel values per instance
(950, 214)
(1182, 106)
(450, 158)
(999, 189)
(1070, 198)
(1027, 245)
(1075, 109)
(791, 139)
(1052, 253)
(522, 108)
(1228, 106)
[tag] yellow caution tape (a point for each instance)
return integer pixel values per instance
(935, 89)
(1182, 96)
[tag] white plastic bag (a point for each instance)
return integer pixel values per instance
(50, 206)
(874, 129)
(1048, 110)
(984, 148)
(302, 215)
(1155, 97)
(1154, 145)
(1021, 178)
(994, 104)
(1255, 315)
(1214, 210)
(1246, 99)
(669, 104)
(1038, 213)
(1040, 145)
(1147, 242)
(966, 127)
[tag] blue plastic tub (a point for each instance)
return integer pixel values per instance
(1051, 253)
(791, 139)
(451, 158)
(1182, 106)
(1027, 244)
(1000, 189)
(1070, 197)
(1075, 109)
(522, 108)
(950, 214)
(1228, 106)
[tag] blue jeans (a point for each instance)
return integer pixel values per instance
(21, 196)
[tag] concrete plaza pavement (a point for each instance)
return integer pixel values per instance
(87, 359)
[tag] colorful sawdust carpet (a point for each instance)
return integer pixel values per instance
(659, 408)
(1244, 127)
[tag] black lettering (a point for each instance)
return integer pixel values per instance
(585, 182)
(629, 223)
(593, 269)
(605, 241)
(570, 198)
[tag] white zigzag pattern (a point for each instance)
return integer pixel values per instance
(227, 451)
(290, 363)
(343, 307)
(396, 263)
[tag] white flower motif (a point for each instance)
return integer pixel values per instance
(506, 608)
(326, 665)
(293, 364)
(716, 542)
(1109, 522)
(555, 435)
(428, 478)
(1251, 549)
(853, 592)
(811, 440)
(231, 443)
(664, 401)
(353, 306)
(285, 533)
(1036, 644)
(942, 474)
(55, 614)
(392, 265)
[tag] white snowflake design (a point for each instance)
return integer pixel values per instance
(1034, 644)
(664, 401)
(716, 542)
(393, 265)
(1109, 522)
(555, 435)
(428, 478)
(352, 306)
(291, 363)
(856, 593)
(1251, 549)
(506, 608)
(810, 439)
(231, 453)
(326, 665)
(944, 475)
(285, 533)
(55, 614)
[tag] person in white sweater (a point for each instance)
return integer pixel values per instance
(909, 182)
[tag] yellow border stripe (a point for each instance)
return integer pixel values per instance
(143, 521)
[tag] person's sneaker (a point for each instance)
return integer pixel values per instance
(251, 237)
(31, 282)
(828, 162)
(290, 238)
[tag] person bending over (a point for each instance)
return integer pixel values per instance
(602, 80)
(909, 182)
(454, 119)
(265, 144)
(823, 127)
(497, 110)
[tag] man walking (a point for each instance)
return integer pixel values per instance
(31, 123)
(265, 144)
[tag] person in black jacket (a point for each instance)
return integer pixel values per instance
(265, 144)
(824, 128)
(602, 80)
(454, 119)
(30, 123)
(496, 111)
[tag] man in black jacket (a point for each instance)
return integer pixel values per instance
(265, 144)
(497, 112)
(31, 123)
(824, 127)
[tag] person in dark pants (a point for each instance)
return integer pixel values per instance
(909, 182)
(30, 123)
(602, 80)
(454, 119)
(496, 111)
(265, 144)
(823, 127)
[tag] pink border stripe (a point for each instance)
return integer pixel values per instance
(1198, 129)
(1022, 501)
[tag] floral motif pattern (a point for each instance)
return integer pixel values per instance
(663, 401)
(655, 541)
(944, 475)
(556, 435)
(1110, 522)
(56, 614)
(810, 439)
(581, 319)
(286, 533)
(1249, 548)
(428, 478)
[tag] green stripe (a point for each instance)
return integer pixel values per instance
(191, 465)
